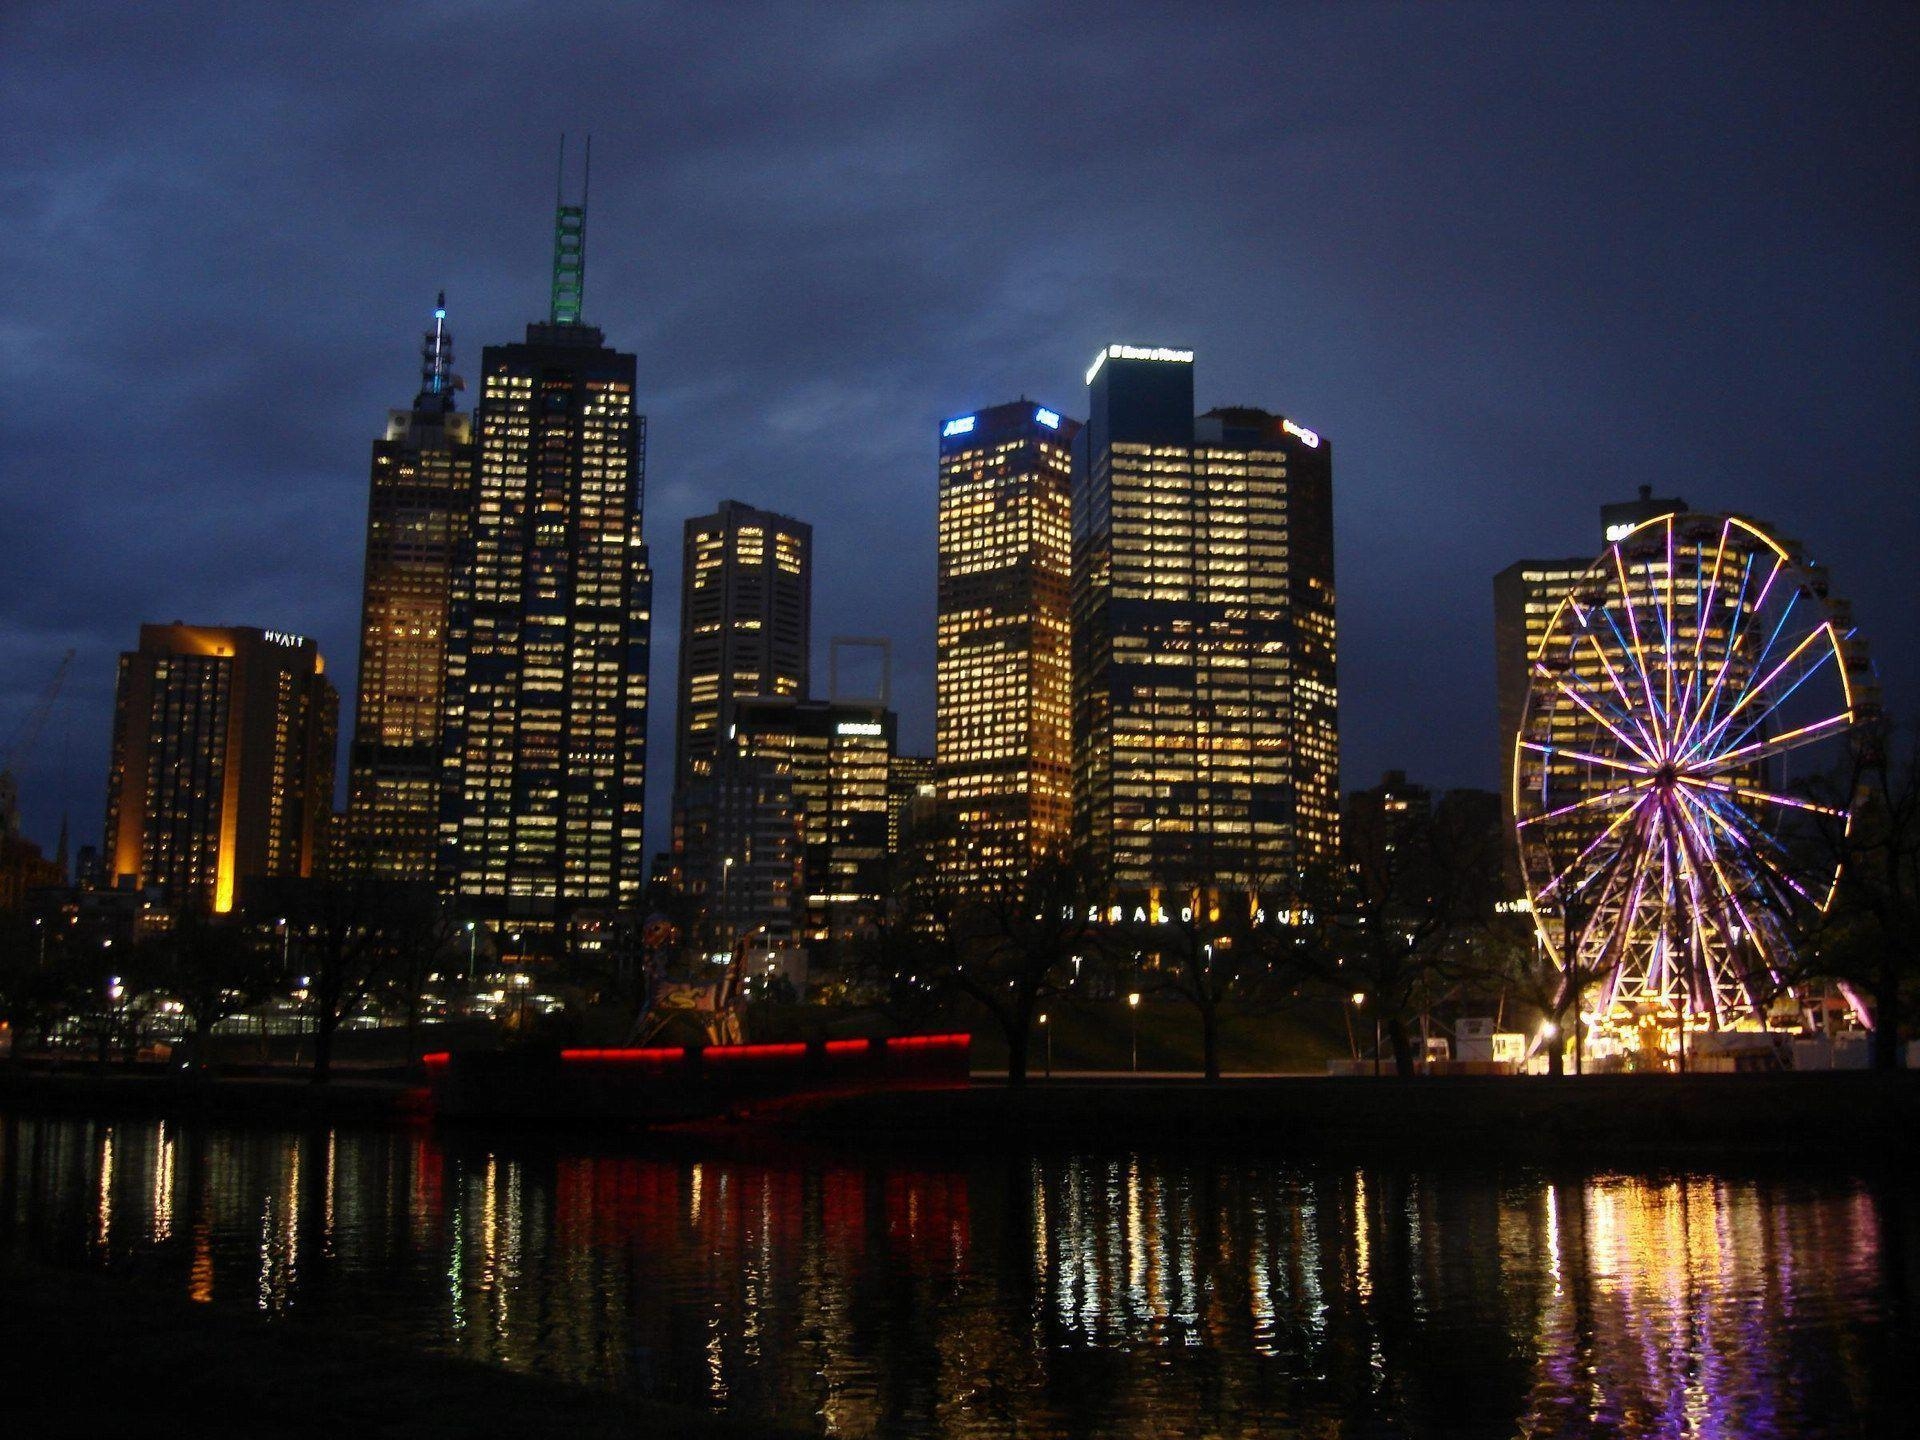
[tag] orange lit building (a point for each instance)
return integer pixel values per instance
(1003, 752)
(223, 760)
(418, 501)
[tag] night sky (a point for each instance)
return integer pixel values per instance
(1513, 260)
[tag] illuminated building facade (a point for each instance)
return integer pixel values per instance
(223, 761)
(834, 758)
(1003, 749)
(544, 755)
(746, 612)
(1206, 735)
(418, 502)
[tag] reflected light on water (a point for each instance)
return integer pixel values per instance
(1055, 1296)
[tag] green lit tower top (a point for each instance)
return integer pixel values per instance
(570, 241)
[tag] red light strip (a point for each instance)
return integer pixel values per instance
(436, 1059)
(753, 1052)
(847, 1047)
(929, 1042)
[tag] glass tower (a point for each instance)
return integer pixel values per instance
(1205, 695)
(544, 756)
(1003, 751)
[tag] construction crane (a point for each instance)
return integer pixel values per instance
(22, 742)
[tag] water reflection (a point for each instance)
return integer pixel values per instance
(1065, 1296)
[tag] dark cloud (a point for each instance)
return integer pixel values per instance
(1514, 260)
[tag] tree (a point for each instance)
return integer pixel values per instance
(1868, 939)
(348, 934)
(997, 939)
(210, 965)
(1396, 925)
(36, 987)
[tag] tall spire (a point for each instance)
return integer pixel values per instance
(436, 362)
(570, 241)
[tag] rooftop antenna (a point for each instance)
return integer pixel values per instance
(436, 362)
(570, 241)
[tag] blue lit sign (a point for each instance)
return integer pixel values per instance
(962, 426)
(1047, 418)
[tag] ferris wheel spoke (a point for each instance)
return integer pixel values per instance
(1779, 745)
(1768, 797)
(1638, 649)
(1754, 692)
(1751, 842)
(1806, 674)
(1560, 684)
(1599, 798)
(1708, 709)
(1612, 764)
(1605, 835)
(1702, 856)
(1626, 703)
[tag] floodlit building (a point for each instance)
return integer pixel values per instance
(1206, 732)
(545, 749)
(223, 761)
(418, 502)
(1003, 749)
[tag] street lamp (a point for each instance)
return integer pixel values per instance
(1133, 1024)
(1047, 1030)
(472, 940)
(1360, 1003)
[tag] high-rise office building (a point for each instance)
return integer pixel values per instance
(1003, 749)
(835, 758)
(418, 504)
(1206, 736)
(746, 614)
(1525, 597)
(911, 799)
(545, 760)
(223, 761)
(746, 600)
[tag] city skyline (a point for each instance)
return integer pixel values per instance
(1717, 387)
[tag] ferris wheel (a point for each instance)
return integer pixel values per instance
(1688, 689)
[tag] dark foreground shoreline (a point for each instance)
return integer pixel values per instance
(93, 1356)
(1846, 1114)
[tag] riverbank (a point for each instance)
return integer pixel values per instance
(93, 1356)
(286, 1097)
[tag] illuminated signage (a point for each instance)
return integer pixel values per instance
(1137, 352)
(283, 637)
(859, 727)
(1618, 532)
(1301, 433)
(1047, 418)
(962, 426)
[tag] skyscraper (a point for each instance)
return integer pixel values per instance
(1003, 749)
(746, 604)
(1206, 742)
(746, 597)
(418, 503)
(545, 760)
(223, 760)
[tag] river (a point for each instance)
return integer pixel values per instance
(1064, 1295)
